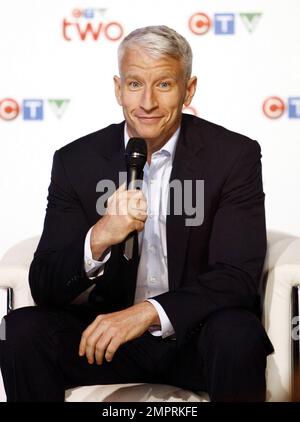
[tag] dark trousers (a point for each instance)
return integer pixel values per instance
(226, 357)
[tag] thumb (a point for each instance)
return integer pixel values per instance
(116, 193)
(121, 188)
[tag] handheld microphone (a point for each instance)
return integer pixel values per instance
(136, 157)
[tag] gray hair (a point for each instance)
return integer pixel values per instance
(160, 41)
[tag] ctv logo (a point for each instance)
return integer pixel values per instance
(275, 107)
(89, 24)
(222, 23)
(32, 109)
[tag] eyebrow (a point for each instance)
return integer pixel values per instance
(159, 77)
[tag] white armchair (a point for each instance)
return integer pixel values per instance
(282, 269)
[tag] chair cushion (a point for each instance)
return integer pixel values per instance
(133, 392)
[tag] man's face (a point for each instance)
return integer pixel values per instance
(152, 92)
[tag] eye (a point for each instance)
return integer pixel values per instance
(134, 84)
(164, 85)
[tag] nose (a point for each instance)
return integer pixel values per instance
(148, 101)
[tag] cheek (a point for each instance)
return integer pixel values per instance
(130, 100)
(172, 103)
(174, 109)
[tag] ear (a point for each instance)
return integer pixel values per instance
(117, 83)
(190, 90)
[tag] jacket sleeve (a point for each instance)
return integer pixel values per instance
(236, 253)
(57, 274)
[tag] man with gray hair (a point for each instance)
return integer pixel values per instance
(185, 309)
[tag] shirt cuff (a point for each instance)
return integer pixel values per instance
(166, 327)
(92, 267)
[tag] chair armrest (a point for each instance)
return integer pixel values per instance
(14, 269)
(21, 254)
(284, 272)
(282, 249)
(16, 277)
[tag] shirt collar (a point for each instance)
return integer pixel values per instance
(169, 147)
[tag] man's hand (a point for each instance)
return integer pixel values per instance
(126, 212)
(108, 332)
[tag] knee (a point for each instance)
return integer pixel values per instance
(235, 334)
(21, 326)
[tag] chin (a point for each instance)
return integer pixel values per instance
(147, 135)
(150, 131)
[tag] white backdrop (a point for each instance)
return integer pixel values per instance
(44, 56)
(56, 85)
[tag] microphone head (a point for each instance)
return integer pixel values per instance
(136, 152)
(136, 145)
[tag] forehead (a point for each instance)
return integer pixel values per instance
(137, 60)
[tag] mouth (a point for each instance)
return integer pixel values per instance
(148, 119)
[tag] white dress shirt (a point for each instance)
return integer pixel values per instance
(152, 275)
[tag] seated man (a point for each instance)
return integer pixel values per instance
(184, 309)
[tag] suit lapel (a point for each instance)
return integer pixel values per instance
(114, 153)
(118, 168)
(108, 161)
(188, 164)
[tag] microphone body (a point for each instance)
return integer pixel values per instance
(136, 157)
(133, 177)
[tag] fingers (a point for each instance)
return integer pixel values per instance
(86, 335)
(108, 332)
(106, 347)
(136, 214)
(123, 192)
(101, 348)
(111, 349)
(128, 209)
(138, 225)
(97, 342)
(124, 200)
(133, 195)
(91, 343)
(137, 206)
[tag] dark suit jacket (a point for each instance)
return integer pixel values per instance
(213, 266)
